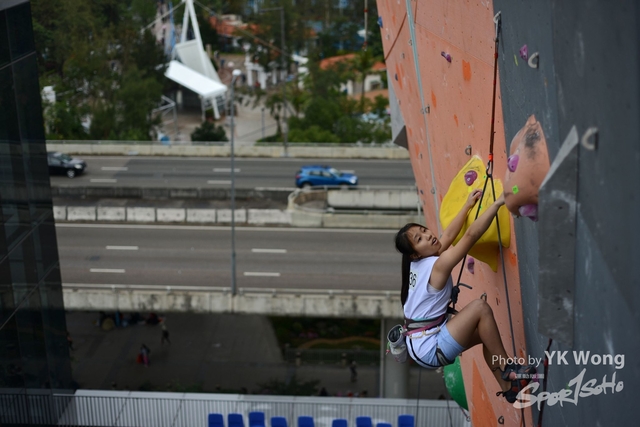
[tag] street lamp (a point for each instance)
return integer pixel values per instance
(235, 75)
(285, 130)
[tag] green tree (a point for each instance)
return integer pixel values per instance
(143, 11)
(136, 97)
(313, 134)
(100, 64)
(209, 132)
(363, 64)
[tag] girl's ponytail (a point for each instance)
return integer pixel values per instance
(406, 271)
(403, 245)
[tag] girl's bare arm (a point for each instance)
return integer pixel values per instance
(452, 231)
(450, 258)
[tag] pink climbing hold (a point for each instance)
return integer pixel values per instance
(471, 265)
(524, 52)
(446, 56)
(530, 211)
(512, 162)
(470, 177)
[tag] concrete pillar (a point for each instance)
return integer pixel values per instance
(262, 76)
(250, 77)
(394, 376)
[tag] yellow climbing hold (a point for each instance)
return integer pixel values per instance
(486, 249)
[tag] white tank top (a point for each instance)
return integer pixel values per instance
(425, 303)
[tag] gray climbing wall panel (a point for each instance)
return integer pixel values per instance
(587, 77)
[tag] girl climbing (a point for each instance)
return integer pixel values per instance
(433, 340)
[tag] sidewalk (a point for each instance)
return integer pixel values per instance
(208, 353)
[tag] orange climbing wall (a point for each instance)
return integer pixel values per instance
(458, 95)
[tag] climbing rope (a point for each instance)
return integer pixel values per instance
(544, 380)
(489, 170)
(489, 178)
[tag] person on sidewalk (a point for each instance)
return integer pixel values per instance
(354, 372)
(165, 333)
(70, 341)
(144, 353)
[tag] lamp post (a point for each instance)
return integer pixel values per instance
(285, 130)
(235, 75)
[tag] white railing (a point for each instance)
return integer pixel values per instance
(147, 409)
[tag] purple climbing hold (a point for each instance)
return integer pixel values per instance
(446, 56)
(470, 177)
(524, 52)
(530, 211)
(396, 76)
(512, 162)
(471, 265)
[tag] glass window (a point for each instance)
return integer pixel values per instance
(9, 117)
(5, 56)
(20, 31)
(28, 99)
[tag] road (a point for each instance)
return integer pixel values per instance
(290, 258)
(196, 172)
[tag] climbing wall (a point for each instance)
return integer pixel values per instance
(587, 76)
(574, 65)
(440, 57)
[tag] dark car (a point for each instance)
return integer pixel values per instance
(312, 175)
(63, 164)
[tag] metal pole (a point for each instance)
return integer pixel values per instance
(233, 195)
(262, 124)
(284, 83)
(366, 17)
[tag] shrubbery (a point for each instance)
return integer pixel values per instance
(209, 132)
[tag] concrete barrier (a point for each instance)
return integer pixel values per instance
(373, 199)
(303, 216)
(111, 214)
(60, 213)
(141, 214)
(298, 151)
(170, 215)
(81, 213)
(370, 220)
(324, 303)
(278, 195)
(205, 216)
(224, 216)
(295, 215)
(268, 216)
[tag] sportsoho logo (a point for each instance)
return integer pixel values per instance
(578, 387)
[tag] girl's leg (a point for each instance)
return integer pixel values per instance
(494, 366)
(475, 324)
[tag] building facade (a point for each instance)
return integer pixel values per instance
(34, 350)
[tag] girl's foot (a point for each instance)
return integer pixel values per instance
(518, 376)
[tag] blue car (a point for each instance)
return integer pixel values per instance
(313, 175)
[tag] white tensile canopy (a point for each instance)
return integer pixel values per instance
(192, 80)
(207, 88)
